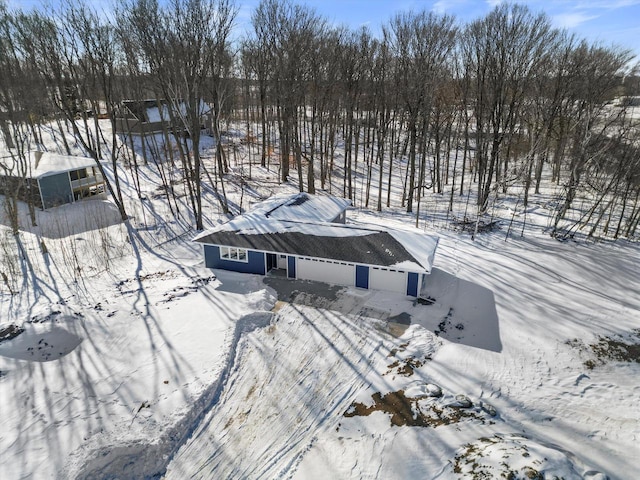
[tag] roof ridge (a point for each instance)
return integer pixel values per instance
(350, 226)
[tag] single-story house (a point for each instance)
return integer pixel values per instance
(137, 117)
(50, 179)
(305, 235)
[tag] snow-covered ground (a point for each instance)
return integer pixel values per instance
(328, 393)
(117, 376)
(137, 361)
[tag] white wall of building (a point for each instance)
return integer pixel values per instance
(326, 271)
(389, 280)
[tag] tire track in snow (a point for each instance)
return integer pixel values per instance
(243, 437)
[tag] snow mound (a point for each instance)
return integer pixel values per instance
(423, 390)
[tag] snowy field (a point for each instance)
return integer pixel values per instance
(136, 361)
(342, 390)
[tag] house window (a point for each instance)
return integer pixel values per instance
(78, 174)
(234, 254)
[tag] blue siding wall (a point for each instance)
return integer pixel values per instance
(362, 276)
(291, 264)
(256, 263)
(55, 190)
(412, 284)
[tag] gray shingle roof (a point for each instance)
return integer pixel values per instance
(376, 248)
(260, 229)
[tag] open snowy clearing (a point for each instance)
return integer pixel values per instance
(169, 367)
(333, 392)
(141, 358)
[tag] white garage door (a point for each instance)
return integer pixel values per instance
(389, 280)
(326, 271)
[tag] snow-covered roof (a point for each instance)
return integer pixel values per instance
(52, 163)
(49, 164)
(409, 250)
(301, 207)
(153, 112)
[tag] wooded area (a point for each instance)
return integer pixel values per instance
(483, 109)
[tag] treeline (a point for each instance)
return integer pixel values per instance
(481, 109)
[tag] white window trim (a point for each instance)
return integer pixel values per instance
(234, 254)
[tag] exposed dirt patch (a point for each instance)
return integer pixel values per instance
(131, 285)
(52, 316)
(396, 329)
(412, 412)
(610, 349)
(250, 392)
(400, 348)
(406, 366)
(162, 191)
(479, 225)
(447, 324)
(424, 301)
(278, 305)
(183, 291)
(393, 328)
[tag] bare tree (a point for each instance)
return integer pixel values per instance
(184, 44)
(595, 71)
(284, 33)
(14, 116)
(421, 44)
(57, 55)
(501, 53)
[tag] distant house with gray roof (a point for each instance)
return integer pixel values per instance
(146, 117)
(306, 236)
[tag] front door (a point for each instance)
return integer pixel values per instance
(271, 261)
(282, 262)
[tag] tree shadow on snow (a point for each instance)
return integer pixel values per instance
(69, 219)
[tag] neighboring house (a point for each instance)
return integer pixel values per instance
(137, 117)
(296, 234)
(50, 179)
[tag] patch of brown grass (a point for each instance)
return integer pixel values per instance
(606, 349)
